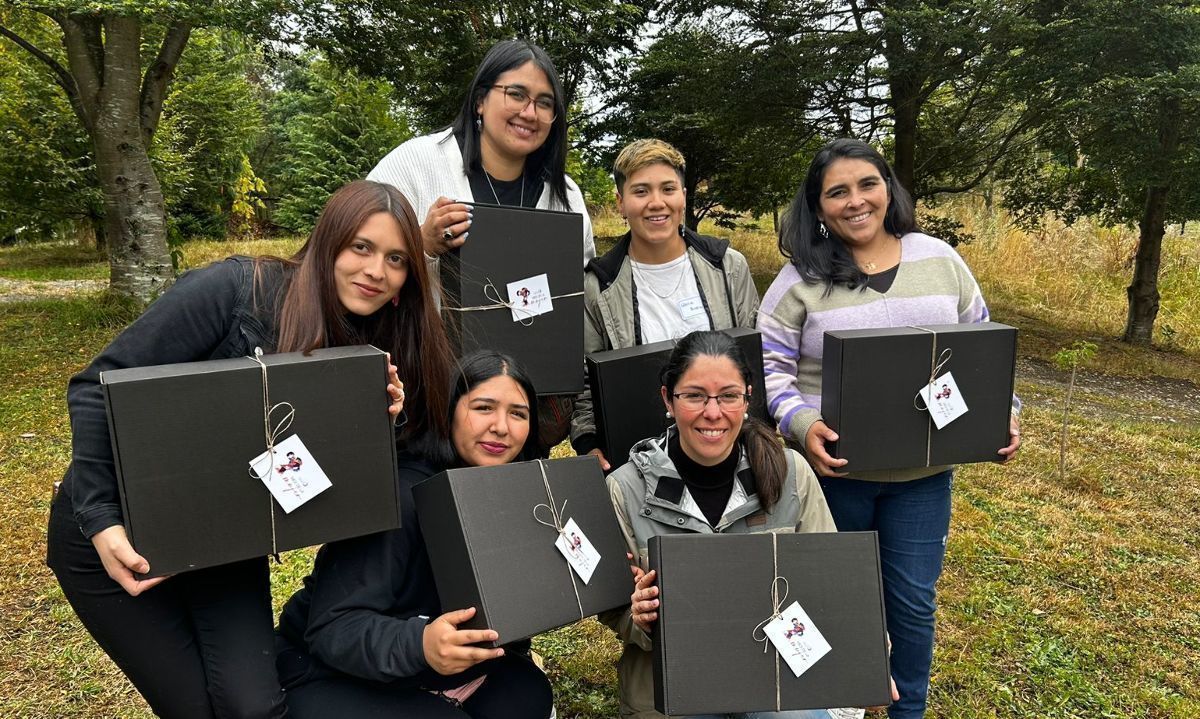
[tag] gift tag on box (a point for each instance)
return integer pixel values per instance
(291, 473)
(944, 400)
(579, 552)
(797, 639)
(529, 297)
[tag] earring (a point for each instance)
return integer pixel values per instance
(681, 229)
(479, 122)
(746, 415)
(668, 414)
(822, 230)
(396, 300)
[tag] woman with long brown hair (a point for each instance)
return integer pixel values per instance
(200, 644)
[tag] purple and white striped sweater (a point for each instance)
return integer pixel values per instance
(932, 286)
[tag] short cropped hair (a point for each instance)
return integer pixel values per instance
(643, 153)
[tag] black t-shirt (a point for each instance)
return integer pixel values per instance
(521, 192)
(882, 282)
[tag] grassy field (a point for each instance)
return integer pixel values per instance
(1075, 597)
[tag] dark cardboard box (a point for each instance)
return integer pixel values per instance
(183, 436)
(508, 244)
(715, 590)
(870, 377)
(626, 403)
(488, 551)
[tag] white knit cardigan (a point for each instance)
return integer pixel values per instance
(431, 166)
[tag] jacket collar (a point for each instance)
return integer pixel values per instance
(606, 267)
(663, 482)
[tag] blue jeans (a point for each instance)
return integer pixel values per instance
(795, 714)
(912, 519)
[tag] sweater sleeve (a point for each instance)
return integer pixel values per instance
(188, 323)
(351, 624)
(781, 320)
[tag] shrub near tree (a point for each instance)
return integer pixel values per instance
(328, 126)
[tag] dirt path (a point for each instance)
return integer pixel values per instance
(1150, 398)
(26, 290)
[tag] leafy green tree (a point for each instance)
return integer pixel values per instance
(1126, 146)
(946, 82)
(118, 100)
(213, 117)
(47, 179)
(712, 97)
(429, 50)
(328, 127)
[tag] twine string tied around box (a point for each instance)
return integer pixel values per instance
(556, 523)
(937, 362)
(491, 292)
(777, 600)
(271, 434)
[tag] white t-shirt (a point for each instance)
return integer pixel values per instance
(669, 303)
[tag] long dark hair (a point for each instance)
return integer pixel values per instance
(311, 316)
(763, 450)
(473, 370)
(822, 257)
(548, 162)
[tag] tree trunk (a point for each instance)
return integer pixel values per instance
(905, 109)
(1142, 292)
(134, 209)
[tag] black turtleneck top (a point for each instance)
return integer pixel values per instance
(710, 487)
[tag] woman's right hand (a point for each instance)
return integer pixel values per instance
(445, 214)
(643, 603)
(814, 447)
(599, 454)
(448, 649)
(120, 561)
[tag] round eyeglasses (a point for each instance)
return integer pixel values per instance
(517, 98)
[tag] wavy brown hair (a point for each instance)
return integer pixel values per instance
(311, 317)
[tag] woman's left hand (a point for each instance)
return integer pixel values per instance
(1014, 439)
(395, 390)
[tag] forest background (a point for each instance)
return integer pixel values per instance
(1056, 143)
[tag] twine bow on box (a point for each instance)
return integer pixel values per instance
(271, 434)
(777, 601)
(492, 293)
(937, 362)
(556, 523)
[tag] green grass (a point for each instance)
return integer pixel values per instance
(1063, 599)
(58, 261)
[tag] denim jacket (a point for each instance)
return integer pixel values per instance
(210, 313)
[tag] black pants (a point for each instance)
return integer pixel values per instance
(198, 646)
(515, 689)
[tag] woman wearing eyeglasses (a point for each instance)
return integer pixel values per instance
(715, 470)
(507, 146)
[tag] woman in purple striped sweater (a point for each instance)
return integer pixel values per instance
(858, 260)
